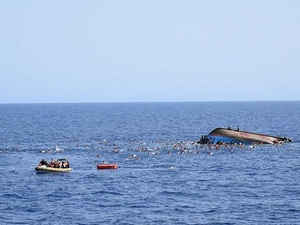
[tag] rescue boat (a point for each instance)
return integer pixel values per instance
(45, 169)
(60, 165)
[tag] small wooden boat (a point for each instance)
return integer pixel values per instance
(107, 166)
(227, 135)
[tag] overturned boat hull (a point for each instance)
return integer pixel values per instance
(225, 135)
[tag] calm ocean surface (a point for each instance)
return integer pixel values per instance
(173, 181)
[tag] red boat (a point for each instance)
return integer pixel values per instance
(107, 166)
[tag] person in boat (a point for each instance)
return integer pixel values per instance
(54, 164)
(65, 164)
(43, 163)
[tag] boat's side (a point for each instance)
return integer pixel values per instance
(50, 169)
(220, 139)
(244, 136)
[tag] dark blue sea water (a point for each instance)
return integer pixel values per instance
(173, 181)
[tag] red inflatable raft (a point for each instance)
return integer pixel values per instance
(107, 166)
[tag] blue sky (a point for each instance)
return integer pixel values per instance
(149, 51)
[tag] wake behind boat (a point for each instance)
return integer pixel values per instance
(60, 165)
(227, 135)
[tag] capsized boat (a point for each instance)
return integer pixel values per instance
(60, 165)
(228, 135)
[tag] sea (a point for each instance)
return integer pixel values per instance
(163, 175)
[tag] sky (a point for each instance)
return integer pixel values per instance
(57, 51)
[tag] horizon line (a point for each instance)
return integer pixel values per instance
(109, 102)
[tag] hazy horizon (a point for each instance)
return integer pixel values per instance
(227, 101)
